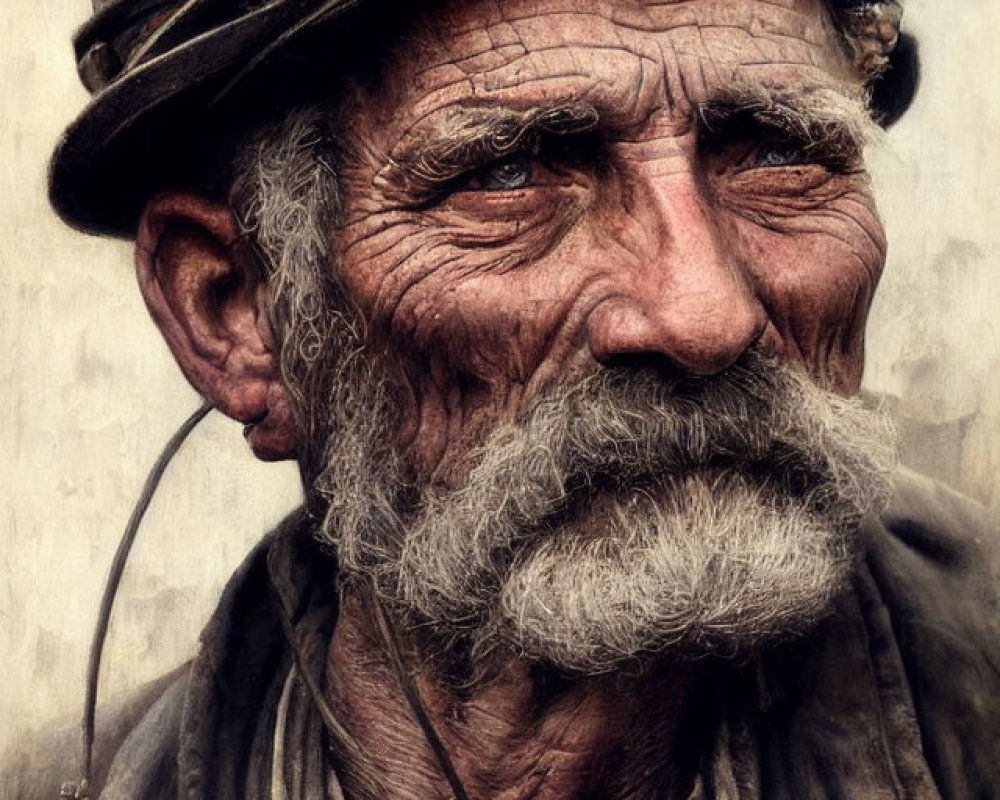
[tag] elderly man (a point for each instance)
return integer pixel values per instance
(560, 306)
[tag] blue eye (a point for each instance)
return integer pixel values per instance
(777, 155)
(514, 173)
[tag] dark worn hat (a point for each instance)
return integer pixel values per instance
(162, 74)
(165, 75)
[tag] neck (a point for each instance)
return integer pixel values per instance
(523, 733)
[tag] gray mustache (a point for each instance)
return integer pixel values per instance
(620, 427)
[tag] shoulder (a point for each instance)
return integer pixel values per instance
(37, 764)
(935, 557)
(937, 551)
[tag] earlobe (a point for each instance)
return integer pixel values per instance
(205, 294)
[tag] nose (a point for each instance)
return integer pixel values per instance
(685, 297)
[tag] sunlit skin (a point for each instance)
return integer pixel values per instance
(637, 240)
(607, 203)
(647, 238)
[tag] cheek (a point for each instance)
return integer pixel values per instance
(492, 328)
(462, 285)
(473, 331)
(816, 273)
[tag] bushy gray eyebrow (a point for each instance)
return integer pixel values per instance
(475, 136)
(831, 122)
(828, 122)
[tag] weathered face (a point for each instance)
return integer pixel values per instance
(539, 185)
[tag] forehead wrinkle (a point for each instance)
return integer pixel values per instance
(492, 59)
(613, 87)
(656, 18)
(638, 14)
(457, 102)
(559, 63)
(564, 80)
(544, 28)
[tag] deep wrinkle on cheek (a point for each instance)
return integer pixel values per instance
(817, 294)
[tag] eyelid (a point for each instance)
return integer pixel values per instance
(836, 153)
(797, 154)
(529, 161)
(422, 177)
(455, 183)
(547, 149)
(435, 179)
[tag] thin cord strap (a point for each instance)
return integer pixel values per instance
(348, 746)
(416, 704)
(111, 590)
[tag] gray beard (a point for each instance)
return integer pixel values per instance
(624, 518)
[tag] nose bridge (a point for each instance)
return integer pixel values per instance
(686, 297)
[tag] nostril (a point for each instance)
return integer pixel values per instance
(650, 361)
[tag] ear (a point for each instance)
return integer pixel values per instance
(206, 296)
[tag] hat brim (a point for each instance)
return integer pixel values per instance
(129, 137)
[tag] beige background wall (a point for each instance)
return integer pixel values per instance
(88, 393)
